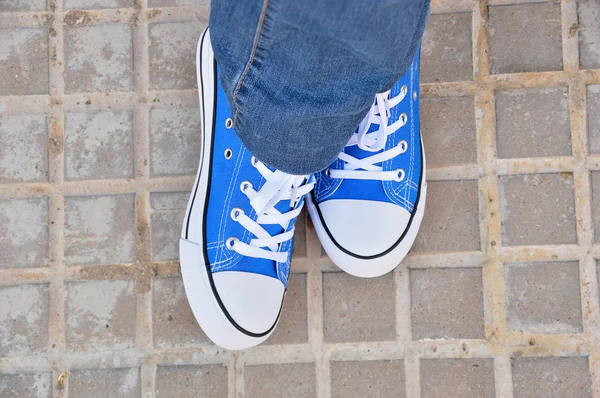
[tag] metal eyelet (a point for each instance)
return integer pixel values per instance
(245, 185)
(231, 242)
(228, 153)
(236, 212)
(400, 176)
(254, 161)
(404, 145)
(415, 95)
(404, 89)
(228, 123)
(328, 173)
(404, 118)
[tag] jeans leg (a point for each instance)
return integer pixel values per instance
(300, 75)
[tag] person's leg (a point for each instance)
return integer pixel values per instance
(299, 76)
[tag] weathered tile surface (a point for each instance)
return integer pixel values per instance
(100, 315)
(358, 309)
(23, 60)
(99, 229)
(191, 381)
(293, 325)
(23, 320)
(175, 136)
(367, 378)
(102, 383)
(543, 297)
(24, 233)
(32, 385)
(448, 378)
(446, 51)
(167, 213)
(596, 204)
(447, 303)
(24, 149)
(451, 221)
(98, 58)
(593, 122)
(537, 209)
(448, 129)
(173, 319)
(533, 122)
(289, 380)
(99, 145)
(551, 377)
(173, 55)
(525, 38)
(589, 34)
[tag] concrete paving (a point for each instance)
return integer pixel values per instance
(99, 143)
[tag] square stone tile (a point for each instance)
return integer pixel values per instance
(23, 5)
(551, 377)
(100, 315)
(102, 383)
(358, 309)
(593, 122)
(448, 130)
(173, 54)
(273, 381)
(98, 58)
(191, 381)
(450, 378)
(543, 297)
(167, 3)
(589, 34)
(24, 316)
(24, 149)
(166, 217)
(96, 4)
(24, 233)
(293, 325)
(447, 303)
(368, 379)
(537, 209)
(446, 50)
(99, 229)
(451, 221)
(99, 145)
(525, 38)
(175, 136)
(595, 204)
(174, 324)
(23, 60)
(32, 385)
(533, 122)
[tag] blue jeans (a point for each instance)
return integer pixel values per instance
(300, 75)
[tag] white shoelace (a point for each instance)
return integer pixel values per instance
(366, 168)
(278, 186)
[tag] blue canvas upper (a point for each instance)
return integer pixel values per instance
(403, 193)
(227, 176)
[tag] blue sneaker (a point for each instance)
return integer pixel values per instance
(368, 205)
(237, 236)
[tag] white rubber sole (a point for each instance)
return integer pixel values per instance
(199, 290)
(370, 267)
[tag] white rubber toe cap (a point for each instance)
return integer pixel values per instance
(364, 227)
(253, 301)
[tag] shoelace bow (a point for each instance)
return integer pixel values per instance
(278, 186)
(366, 168)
